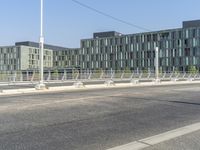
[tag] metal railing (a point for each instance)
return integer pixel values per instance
(88, 75)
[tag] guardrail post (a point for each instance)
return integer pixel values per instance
(164, 75)
(21, 76)
(171, 76)
(184, 75)
(140, 77)
(32, 78)
(27, 75)
(122, 76)
(195, 76)
(49, 76)
(149, 74)
(110, 81)
(64, 76)
(112, 75)
(77, 83)
(189, 77)
(90, 74)
(131, 77)
(101, 76)
(76, 78)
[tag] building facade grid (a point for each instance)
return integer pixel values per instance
(178, 50)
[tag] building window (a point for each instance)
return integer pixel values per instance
(187, 51)
(194, 33)
(186, 61)
(180, 52)
(194, 61)
(194, 42)
(187, 33)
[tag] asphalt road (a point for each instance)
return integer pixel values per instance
(97, 119)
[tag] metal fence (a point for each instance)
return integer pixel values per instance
(81, 75)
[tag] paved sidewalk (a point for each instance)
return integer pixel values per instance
(71, 87)
(186, 142)
(176, 139)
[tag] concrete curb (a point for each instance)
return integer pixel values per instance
(91, 87)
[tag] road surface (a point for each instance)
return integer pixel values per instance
(99, 119)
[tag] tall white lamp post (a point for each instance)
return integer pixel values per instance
(41, 85)
(157, 65)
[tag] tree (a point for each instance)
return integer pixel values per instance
(127, 70)
(145, 71)
(192, 69)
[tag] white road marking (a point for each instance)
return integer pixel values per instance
(143, 143)
(131, 146)
(193, 89)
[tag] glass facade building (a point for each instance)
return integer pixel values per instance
(22, 57)
(178, 49)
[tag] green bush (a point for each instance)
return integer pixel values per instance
(192, 69)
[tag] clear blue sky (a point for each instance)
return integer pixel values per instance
(66, 22)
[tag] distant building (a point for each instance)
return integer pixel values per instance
(69, 58)
(26, 56)
(178, 50)
(23, 57)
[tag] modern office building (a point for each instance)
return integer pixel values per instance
(23, 57)
(26, 56)
(178, 49)
(66, 58)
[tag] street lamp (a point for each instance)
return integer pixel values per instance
(41, 85)
(157, 65)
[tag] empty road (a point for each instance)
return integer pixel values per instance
(98, 119)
